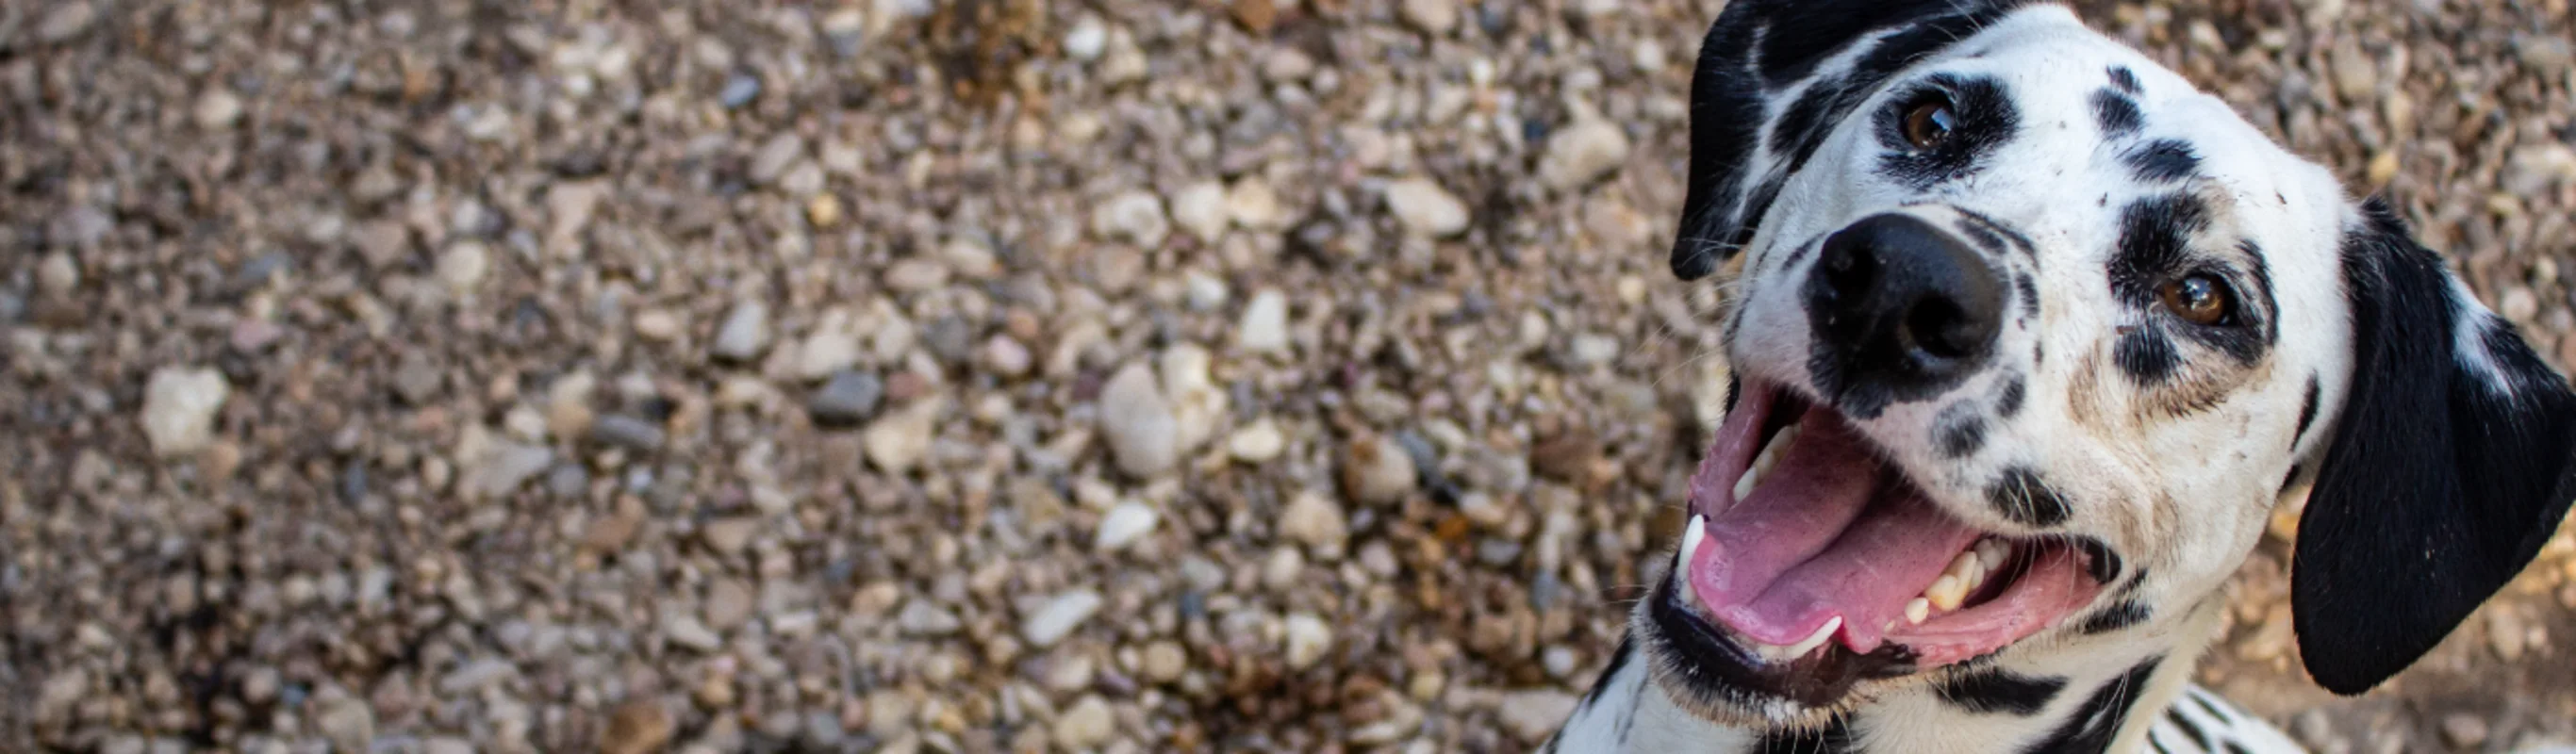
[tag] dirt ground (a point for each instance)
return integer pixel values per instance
(979, 375)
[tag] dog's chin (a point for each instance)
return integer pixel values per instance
(1814, 576)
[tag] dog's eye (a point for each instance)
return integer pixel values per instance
(1928, 123)
(2198, 299)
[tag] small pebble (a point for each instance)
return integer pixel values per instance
(1085, 725)
(1425, 208)
(1123, 526)
(179, 407)
(1257, 443)
(743, 334)
(849, 398)
(1138, 423)
(1307, 639)
(1264, 328)
(629, 432)
(739, 90)
(1059, 617)
(1313, 519)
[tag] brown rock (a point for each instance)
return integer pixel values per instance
(637, 727)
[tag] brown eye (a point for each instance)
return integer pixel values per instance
(1928, 124)
(2198, 299)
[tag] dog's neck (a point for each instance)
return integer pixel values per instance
(2088, 698)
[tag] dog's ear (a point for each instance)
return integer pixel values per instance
(2449, 467)
(1772, 82)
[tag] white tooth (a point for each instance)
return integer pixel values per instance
(1970, 573)
(1917, 609)
(1763, 461)
(1945, 593)
(1691, 536)
(1991, 553)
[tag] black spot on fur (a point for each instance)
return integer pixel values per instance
(2008, 400)
(1984, 236)
(2117, 114)
(2093, 725)
(1992, 690)
(2146, 356)
(2154, 245)
(2029, 291)
(2214, 711)
(1989, 225)
(2116, 617)
(1959, 431)
(2198, 737)
(1836, 737)
(2100, 561)
(2307, 416)
(2162, 160)
(1986, 120)
(2124, 79)
(2026, 499)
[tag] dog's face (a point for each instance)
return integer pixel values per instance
(2030, 337)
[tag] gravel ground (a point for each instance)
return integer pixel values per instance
(976, 375)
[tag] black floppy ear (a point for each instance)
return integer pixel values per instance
(2450, 466)
(1768, 89)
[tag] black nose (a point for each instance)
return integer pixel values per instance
(1901, 309)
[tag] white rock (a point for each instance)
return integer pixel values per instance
(1125, 524)
(498, 467)
(1582, 153)
(1534, 715)
(218, 109)
(1137, 422)
(348, 722)
(1198, 405)
(1135, 217)
(1051, 622)
(897, 441)
(744, 333)
(1206, 292)
(1085, 725)
(463, 265)
(1253, 204)
(1425, 208)
(1258, 442)
(1264, 328)
(1200, 208)
(1434, 17)
(687, 631)
(1312, 518)
(1087, 39)
(179, 408)
(474, 676)
(1307, 638)
(1282, 570)
(831, 347)
(58, 273)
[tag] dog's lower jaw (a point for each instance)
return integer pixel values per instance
(2123, 683)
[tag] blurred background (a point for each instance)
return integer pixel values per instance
(980, 375)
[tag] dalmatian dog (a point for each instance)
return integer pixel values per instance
(2030, 338)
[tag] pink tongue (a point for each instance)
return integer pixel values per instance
(1798, 552)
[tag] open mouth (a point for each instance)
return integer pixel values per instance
(1810, 563)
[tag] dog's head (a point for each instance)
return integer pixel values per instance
(2030, 337)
